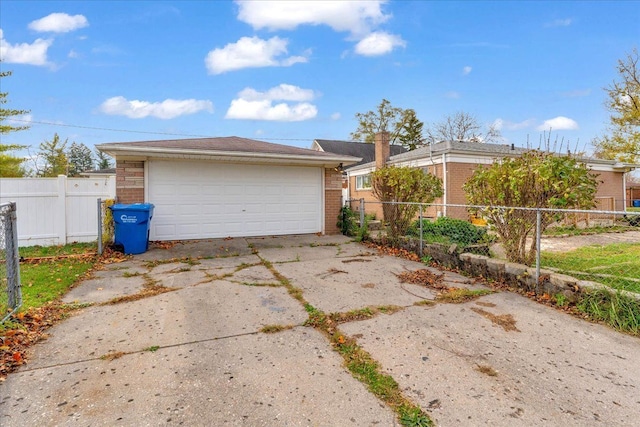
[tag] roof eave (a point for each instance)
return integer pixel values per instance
(228, 156)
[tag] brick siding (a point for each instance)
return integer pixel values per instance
(130, 181)
(332, 200)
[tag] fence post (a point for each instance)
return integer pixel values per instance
(421, 244)
(99, 226)
(14, 292)
(362, 212)
(61, 227)
(538, 244)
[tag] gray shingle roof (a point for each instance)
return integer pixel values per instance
(218, 144)
(356, 149)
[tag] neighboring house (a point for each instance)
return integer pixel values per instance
(364, 150)
(633, 195)
(229, 186)
(454, 162)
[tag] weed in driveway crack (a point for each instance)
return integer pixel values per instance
(364, 368)
(359, 363)
(149, 288)
(272, 329)
(461, 295)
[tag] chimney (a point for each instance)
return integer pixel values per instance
(382, 150)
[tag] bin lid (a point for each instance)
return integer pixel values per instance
(132, 207)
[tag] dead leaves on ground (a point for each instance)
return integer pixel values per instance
(506, 321)
(24, 329)
(398, 252)
(423, 277)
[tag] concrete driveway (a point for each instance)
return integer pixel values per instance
(196, 355)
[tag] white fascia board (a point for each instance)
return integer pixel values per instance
(360, 172)
(228, 156)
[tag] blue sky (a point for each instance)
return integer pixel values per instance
(290, 72)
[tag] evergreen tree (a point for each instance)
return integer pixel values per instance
(54, 158)
(80, 159)
(10, 165)
(103, 160)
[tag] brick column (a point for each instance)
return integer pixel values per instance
(332, 200)
(382, 149)
(130, 181)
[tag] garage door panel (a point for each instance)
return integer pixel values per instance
(197, 200)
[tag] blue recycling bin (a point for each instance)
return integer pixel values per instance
(132, 224)
(636, 203)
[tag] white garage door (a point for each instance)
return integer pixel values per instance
(198, 200)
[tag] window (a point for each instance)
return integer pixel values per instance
(363, 182)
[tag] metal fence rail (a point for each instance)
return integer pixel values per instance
(10, 292)
(596, 245)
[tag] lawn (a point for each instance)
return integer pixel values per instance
(616, 265)
(46, 273)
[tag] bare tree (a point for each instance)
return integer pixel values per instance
(461, 126)
(402, 124)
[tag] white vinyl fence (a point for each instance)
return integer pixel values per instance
(56, 211)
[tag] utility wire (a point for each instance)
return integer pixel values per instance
(146, 132)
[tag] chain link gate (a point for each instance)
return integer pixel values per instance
(10, 292)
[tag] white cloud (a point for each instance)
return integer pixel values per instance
(59, 23)
(500, 124)
(336, 116)
(253, 105)
(72, 54)
(167, 109)
(559, 23)
(452, 95)
(283, 92)
(356, 17)
(250, 52)
(466, 70)
(24, 53)
(558, 123)
(379, 43)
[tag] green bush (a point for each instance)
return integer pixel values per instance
(450, 230)
(347, 221)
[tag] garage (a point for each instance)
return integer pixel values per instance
(195, 200)
(230, 187)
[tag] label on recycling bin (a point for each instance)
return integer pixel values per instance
(128, 219)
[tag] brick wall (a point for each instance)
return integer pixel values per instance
(130, 181)
(332, 200)
(611, 188)
(367, 195)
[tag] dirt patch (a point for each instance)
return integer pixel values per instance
(485, 304)
(506, 321)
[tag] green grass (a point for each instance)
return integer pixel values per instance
(48, 280)
(47, 251)
(616, 265)
(571, 230)
(619, 311)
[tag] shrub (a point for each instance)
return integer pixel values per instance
(450, 230)
(347, 221)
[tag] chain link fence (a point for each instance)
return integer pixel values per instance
(601, 246)
(10, 292)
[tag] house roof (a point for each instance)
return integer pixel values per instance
(366, 151)
(109, 171)
(482, 150)
(231, 149)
